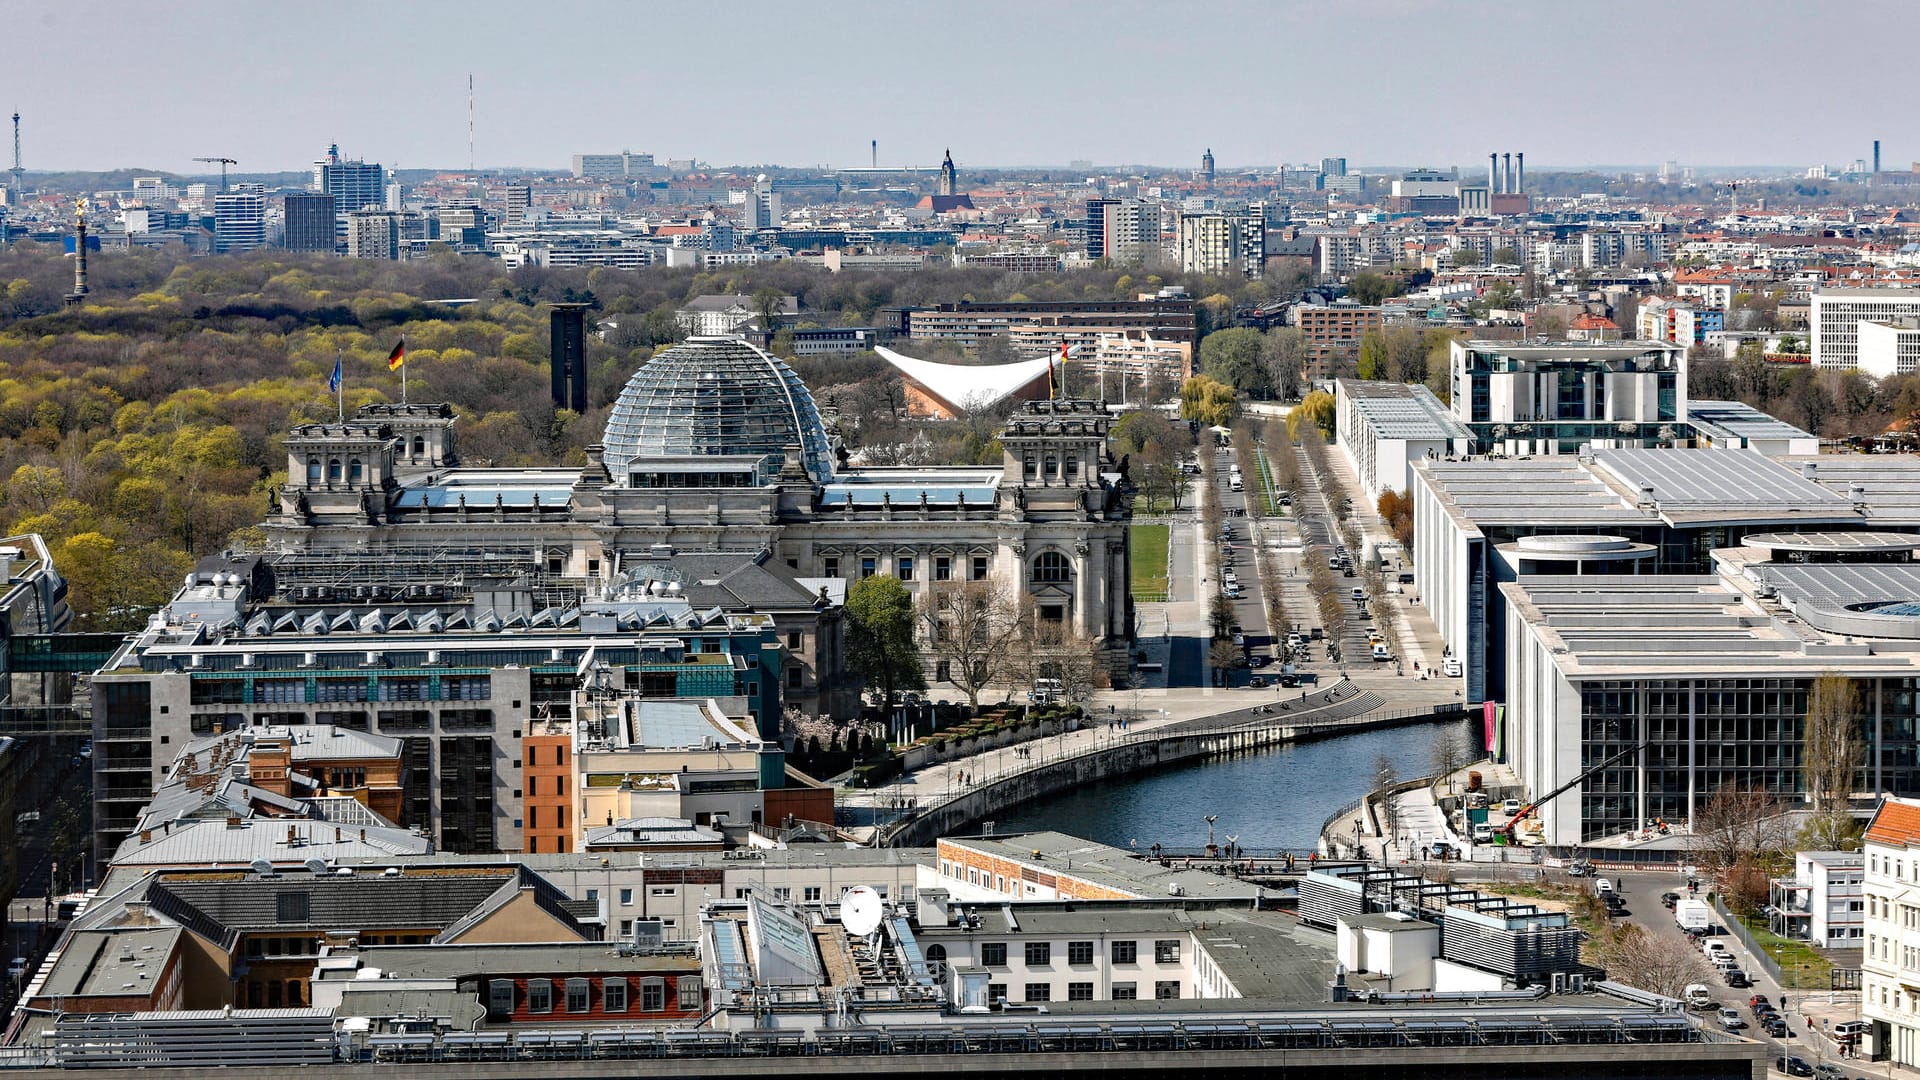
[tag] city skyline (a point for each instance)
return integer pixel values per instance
(1406, 81)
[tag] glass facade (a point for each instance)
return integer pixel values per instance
(715, 397)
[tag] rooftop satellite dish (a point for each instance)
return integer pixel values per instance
(861, 910)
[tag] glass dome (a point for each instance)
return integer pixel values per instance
(715, 397)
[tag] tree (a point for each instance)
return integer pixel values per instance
(768, 303)
(1368, 288)
(1396, 509)
(880, 642)
(1315, 409)
(1284, 352)
(1505, 256)
(1735, 823)
(1661, 964)
(1207, 400)
(1053, 649)
(1233, 357)
(1222, 656)
(1450, 752)
(1834, 750)
(1373, 356)
(972, 628)
(1462, 258)
(1385, 777)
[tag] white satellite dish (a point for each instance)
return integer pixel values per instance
(861, 910)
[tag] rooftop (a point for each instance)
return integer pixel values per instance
(123, 961)
(1401, 410)
(1109, 866)
(1897, 822)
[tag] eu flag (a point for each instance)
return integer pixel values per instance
(333, 381)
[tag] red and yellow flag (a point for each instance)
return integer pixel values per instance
(398, 356)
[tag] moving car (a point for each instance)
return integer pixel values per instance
(1793, 1066)
(1730, 1020)
(1380, 652)
(1450, 667)
(1697, 996)
(1736, 978)
(1775, 1027)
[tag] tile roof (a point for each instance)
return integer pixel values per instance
(1896, 822)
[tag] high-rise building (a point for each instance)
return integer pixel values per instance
(1122, 230)
(610, 166)
(1836, 315)
(519, 201)
(309, 224)
(1222, 243)
(1333, 166)
(762, 208)
(372, 234)
(567, 356)
(354, 185)
(240, 219)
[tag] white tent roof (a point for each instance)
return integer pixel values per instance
(968, 388)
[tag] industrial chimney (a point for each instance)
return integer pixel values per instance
(1876, 155)
(1506, 173)
(1520, 173)
(1493, 173)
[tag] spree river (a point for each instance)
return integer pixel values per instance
(1275, 798)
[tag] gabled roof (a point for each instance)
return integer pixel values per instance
(1897, 822)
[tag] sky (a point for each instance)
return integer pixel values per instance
(104, 85)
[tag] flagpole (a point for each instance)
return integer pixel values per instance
(403, 380)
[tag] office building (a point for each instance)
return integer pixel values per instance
(1836, 315)
(309, 221)
(712, 316)
(1223, 243)
(1333, 333)
(1523, 397)
(240, 219)
(354, 184)
(1675, 687)
(1889, 348)
(1041, 326)
(1385, 427)
(1333, 166)
(1488, 520)
(519, 201)
(1686, 325)
(1822, 902)
(1134, 360)
(1122, 230)
(373, 234)
(611, 166)
(761, 210)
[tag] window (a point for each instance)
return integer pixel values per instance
(1073, 467)
(1051, 568)
(795, 678)
(539, 995)
(793, 639)
(996, 991)
(1039, 953)
(1038, 992)
(903, 568)
(830, 566)
(811, 894)
(499, 998)
(626, 897)
(354, 471)
(1080, 991)
(579, 995)
(1079, 952)
(942, 669)
(1126, 952)
(1166, 951)
(1166, 990)
(1032, 467)
(1125, 991)
(690, 994)
(943, 568)
(868, 566)
(1053, 466)
(333, 470)
(936, 954)
(313, 470)
(978, 572)
(993, 954)
(653, 995)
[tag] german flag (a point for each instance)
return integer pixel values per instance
(398, 356)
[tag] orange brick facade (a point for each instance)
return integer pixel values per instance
(546, 802)
(1011, 876)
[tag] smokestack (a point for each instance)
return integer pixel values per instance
(1876, 155)
(1520, 173)
(1506, 173)
(1493, 173)
(876, 153)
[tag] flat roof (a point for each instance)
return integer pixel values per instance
(1741, 420)
(112, 962)
(1111, 866)
(1401, 410)
(1718, 479)
(1833, 542)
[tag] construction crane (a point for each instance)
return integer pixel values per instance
(224, 162)
(1526, 811)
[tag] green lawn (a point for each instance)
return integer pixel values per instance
(1801, 965)
(1149, 561)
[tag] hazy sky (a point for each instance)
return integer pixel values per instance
(105, 85)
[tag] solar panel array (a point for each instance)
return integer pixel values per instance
(1717, 479)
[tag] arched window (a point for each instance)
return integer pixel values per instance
(1052, 568)
(1053, 467)
(936, 954)
(1073, 467)
(313, 470)
(333, 470)
(419, 446)
(353, 470)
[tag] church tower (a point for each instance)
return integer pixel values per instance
(1206, 166)
(949, 182)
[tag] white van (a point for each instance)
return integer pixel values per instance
(1380, 651)
(1698, 996)
(1236, 484)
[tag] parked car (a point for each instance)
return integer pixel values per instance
(1736, 978)
(1776, 1027)
(1258, 682)
(1731, 1020)
(1450, 667)
(1828, 1071)
(1511, 806)
(1793, 1066)
(1758, 1000)
(1668, 899)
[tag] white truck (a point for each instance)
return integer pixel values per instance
(1692, 914)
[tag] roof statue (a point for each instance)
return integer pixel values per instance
(950, 391)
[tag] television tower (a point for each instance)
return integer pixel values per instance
(18, 172)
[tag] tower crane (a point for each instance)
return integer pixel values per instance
(224, 162)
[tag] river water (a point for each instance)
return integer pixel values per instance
(1275, 798)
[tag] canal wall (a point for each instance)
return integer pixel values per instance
(1132, 754)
